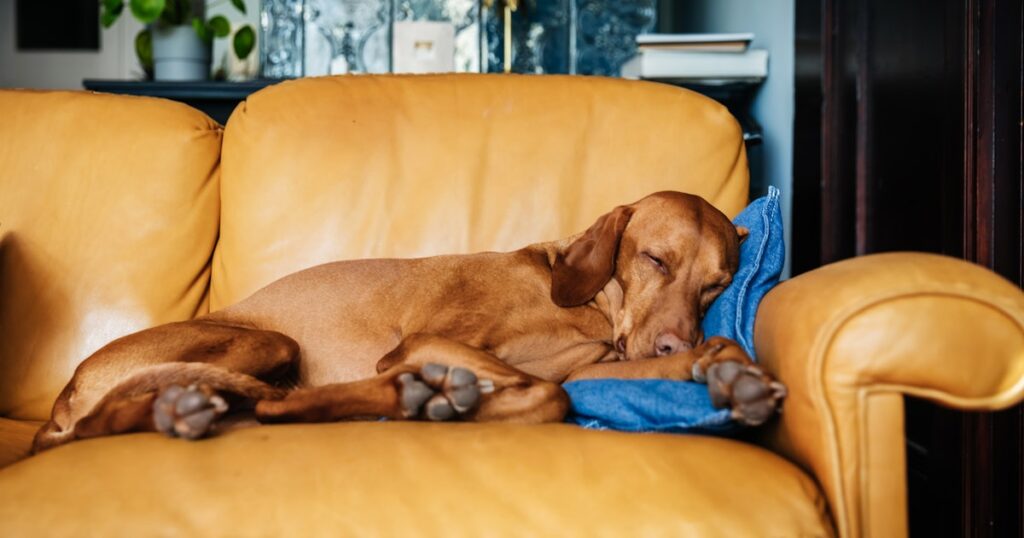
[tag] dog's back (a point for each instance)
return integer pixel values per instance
(347, 315)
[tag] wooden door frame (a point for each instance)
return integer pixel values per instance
(978, 455)
(993, 469)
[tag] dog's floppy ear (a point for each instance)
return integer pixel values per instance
(588, 263)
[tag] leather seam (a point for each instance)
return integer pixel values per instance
(863, 395)
(819, 351)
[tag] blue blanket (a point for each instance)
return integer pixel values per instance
(658, 405)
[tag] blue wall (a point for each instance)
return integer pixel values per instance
(773, 24)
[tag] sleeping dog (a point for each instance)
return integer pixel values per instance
(481, 337)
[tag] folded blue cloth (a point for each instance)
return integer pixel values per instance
(658, 405)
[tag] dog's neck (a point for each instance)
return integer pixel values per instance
(609, 302)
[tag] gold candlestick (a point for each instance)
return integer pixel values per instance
(510, 6)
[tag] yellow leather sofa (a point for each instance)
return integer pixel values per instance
(118, 213)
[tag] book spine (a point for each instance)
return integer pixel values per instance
(688, 64)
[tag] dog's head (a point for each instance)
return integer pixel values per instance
(661, 261)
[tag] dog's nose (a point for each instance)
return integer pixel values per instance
(668, 343)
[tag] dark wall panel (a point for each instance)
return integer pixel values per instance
(908, 137)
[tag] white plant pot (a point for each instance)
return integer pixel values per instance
(179, 54)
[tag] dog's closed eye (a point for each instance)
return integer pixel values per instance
(656, 261)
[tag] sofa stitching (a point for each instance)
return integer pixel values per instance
(863, 394)
(862, 423)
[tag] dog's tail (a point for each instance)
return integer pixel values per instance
(152, 379)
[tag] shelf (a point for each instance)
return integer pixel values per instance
(216, 98)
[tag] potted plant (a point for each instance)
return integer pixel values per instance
(176, 43)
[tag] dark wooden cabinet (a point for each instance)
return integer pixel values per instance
(908, 137)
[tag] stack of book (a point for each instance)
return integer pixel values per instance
(708, 58)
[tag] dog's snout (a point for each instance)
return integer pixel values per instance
(668, 343)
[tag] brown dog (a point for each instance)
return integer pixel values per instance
(484, 337)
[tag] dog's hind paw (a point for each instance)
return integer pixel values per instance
(440, 393)
(187, 412)
(752, 395)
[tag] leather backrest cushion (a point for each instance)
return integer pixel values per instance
(108, 219)
(322, 169)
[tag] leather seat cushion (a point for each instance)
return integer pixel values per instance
(411, 479)
(16, 439)
(109, 213)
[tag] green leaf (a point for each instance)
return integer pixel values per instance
(147, 11)
(219, 26)
(107, 19)
(240, 4)
(144, 49)
(201, 30)
(245, 38)
(111, 11)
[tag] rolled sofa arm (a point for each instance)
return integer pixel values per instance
(851, 338)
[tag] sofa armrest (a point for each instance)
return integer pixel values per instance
(851, 338)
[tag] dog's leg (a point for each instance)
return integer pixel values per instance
(431, 378)
(180, 379)
(376, 397)
(733, 379)
(516, 395)
(177, 399)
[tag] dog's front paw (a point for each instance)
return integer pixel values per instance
(187, 412)
(753, 395)
(440, 393)
(713, 350)
(734, 381)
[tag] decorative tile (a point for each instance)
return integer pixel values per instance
(464, 14)
(281, 38)
(317, 37)
(348, 36)
(588, 37)
(606, 33)
(541, 34)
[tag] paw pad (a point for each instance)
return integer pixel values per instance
(753, 396)
(440, 393)
(189, 412)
